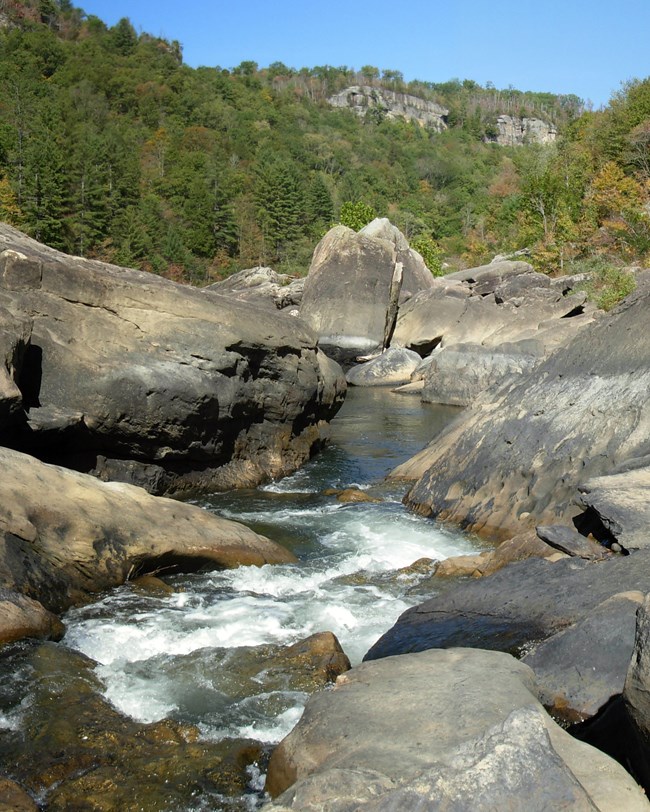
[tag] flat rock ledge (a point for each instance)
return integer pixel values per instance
(65, 536)
(457, 729)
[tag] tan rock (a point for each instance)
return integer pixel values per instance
(65, 535)
(22, 617)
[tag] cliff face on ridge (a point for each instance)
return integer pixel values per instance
(362, 98)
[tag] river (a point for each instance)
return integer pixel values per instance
(174, 655)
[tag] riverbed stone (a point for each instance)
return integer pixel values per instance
(13, 798)
(516, 458)
(392, 367)
(78, 749)
(65, 536)
(579, 670)
(134, 377)
(21, 617)
(446, 738)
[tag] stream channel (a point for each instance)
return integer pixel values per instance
(175, 655)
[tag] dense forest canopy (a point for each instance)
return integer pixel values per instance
(111, 147)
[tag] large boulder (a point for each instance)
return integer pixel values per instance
(66, 535)
(135, 377)
(22, 617)
(516, 458)
(15, 334)
(392, 367)
(353, 288)
(434, 731)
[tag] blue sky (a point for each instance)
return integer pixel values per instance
(586, 47)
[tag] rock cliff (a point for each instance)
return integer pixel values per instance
(363, 98)
(513, 132)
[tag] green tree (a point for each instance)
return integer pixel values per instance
(280, 203)
(356, 214)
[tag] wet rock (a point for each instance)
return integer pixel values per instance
(65, 536)
(526, 601)
(428, 731)
(352, 495)
(21, 617)
(14, 799)
(151, 585)
(77, 749)
(393, 366)
(579, 670)
(134, 377)
(569, 541)
(462, 565)
(518, 456)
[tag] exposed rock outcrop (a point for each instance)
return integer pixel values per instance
(137, 378)
(65, 535)
(519, 455)
(514, 132)
(430, 731)
(387, 103)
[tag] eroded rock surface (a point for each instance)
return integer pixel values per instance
(133, 377)
(429, 731)
(516, 458)
(65, 535)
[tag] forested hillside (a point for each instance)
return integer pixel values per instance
(111, 147)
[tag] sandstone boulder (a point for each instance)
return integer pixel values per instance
(262, 287)
(526, 601)
(353, 287)
(429, 731)
(22, 617)
(392, 367)
(65, 535)
(621, 503)
(137, 378)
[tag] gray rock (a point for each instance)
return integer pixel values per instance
(207, 391)
(65, 536)
(636, 693)
(392, 105)
(526, 601)
(569, 541)
(353, 288)
(518, 456)
(15, 335)
(415, 274)
(429, 731)
(261, 286)
(458, 374)
(394, 366)
(579, 670)
(622, 503)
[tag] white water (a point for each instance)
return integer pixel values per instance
(176, 655)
